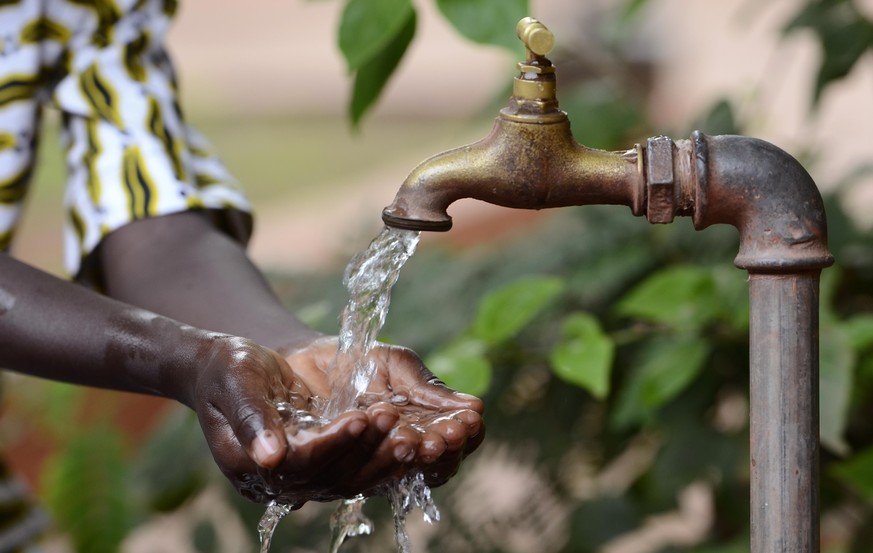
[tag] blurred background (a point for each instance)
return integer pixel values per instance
(611, 469)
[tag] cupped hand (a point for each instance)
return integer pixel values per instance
(264, 419)
(429, 426)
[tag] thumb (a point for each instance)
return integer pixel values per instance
(268, 449)
(258, 428)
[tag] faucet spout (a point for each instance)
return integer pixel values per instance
(525, 162)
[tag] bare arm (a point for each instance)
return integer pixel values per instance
(59, 330)
(182, 267)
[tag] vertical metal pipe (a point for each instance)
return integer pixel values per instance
(784, 412)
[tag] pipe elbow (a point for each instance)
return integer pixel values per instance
(768, 196)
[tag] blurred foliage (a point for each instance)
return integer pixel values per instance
(612, 355)
(85, 486)
(844, 33)
(374, 35)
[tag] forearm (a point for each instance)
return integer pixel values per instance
(181, 267)
(59, 330)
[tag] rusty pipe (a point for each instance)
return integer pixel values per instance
(779, 214)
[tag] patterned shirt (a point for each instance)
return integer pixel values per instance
(129, 152)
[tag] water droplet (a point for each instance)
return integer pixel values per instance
(399, 399)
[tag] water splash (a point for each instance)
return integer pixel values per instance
(267, 525)
(349, 521)
(369, 278)
(405, 494)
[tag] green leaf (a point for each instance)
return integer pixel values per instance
(62, 400)
(367, 27)
(584, 356)
(669, 366)
(681, 296)
(486, 21)
(859, 330)
(601, 113)
(462, 365)
(857, 473)
(371, 78)
(732, 288)
(828, 287)
(836, 365)
(84, 486)
(507, 310)
(844, 33)
(631, 9)
(720, 119)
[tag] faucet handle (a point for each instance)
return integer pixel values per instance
(533, 90)
(538, 39)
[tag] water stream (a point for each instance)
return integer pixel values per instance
(369, 278)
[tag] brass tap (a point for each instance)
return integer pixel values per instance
(529, 160)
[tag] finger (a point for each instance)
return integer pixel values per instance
(451, 430)
(258, 427)
(438, 473)
(427, 388)
(436, 395)
(383, 417)
(310, 448)
(229, 455)
(432, 446)
(389, 460)
(359, 467)
(474, 428)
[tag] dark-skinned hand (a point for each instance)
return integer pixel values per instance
(407, 420)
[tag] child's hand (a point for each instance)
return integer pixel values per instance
(430, 426)
(235, 397)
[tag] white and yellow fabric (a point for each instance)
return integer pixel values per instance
(129, 152)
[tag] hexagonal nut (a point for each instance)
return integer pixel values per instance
(660, 190)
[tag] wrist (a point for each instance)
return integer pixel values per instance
(196, 353)
(160, 356)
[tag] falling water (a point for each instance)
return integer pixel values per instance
(267, 525)
(369, 277)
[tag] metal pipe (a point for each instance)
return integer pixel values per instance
(778, 211)
(783, 336)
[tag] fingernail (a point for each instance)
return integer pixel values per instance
(384, 422)
(466, 397)
(404, 453)
(265, 446)
(356, 427)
